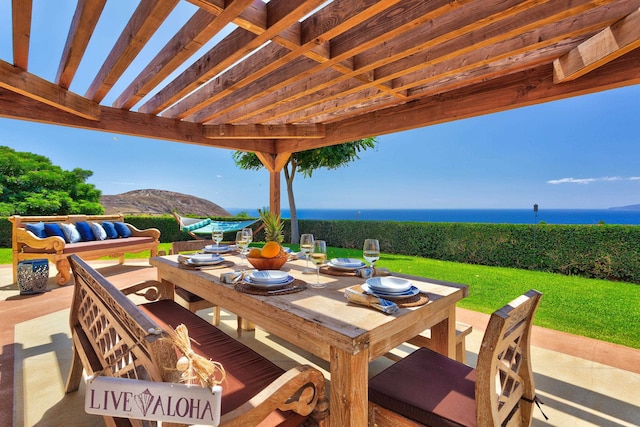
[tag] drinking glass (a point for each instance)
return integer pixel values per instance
(248, 233)
(242, 241)
(217, 235)
(318, 257)
(306, 246)
(371, 251)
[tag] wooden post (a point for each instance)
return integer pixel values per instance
(274, 164)
(274, 192)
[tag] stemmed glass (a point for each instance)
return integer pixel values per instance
(248, 233)
(371, 251)
(217, 236)
(242, 241)
(306, 246)
(318, 257)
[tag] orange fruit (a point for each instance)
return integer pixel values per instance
(270, 250)
(255, 253)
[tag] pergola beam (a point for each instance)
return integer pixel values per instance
(41, 90)
(83, 24)
(609, 44)
(21, 21)
(498, 94)
(149, 15)
(123, 122)
(264, 131)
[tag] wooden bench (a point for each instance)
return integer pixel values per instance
(113, 336)
(26, 245)
(424, 340)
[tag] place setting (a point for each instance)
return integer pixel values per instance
(200, 261)
(386, 294)
(269, 282)
(355, 266)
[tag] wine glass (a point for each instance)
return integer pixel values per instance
(371, 251)
(217, 235)
(318, 257)
(306, 246)
(242, 241)
(248, 233)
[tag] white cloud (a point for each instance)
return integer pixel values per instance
(590, 180)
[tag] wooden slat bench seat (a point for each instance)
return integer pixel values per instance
(108, 327)
(26, 245)
(424, 340)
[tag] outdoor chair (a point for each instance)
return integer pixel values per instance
(427, 388)
(188, 300)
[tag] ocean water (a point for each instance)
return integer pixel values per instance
(494, 216)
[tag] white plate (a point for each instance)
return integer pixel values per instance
(347, 262)
(343, 267)
(289, 280)
(217, 249)
(389, 285)
(411, 292)
(204, 259)
(269, 276)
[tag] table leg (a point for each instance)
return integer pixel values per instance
(349, 395)
(443, 335)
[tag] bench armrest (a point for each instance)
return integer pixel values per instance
(300, 389)
(149, 232)
(153, 290)
(52, 243)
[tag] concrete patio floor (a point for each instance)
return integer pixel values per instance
(582, 382)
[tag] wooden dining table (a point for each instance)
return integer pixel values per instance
(323, 322)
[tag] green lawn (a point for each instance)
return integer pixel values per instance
(608, 311)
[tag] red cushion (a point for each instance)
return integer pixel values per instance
(429, 388)
(247, 371)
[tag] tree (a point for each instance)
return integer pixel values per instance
(306, 162)
(31, 185)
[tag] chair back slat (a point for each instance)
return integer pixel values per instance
(504, 386)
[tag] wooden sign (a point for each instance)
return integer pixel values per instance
(156, 401)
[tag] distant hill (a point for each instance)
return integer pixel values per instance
(157, 202)
(627, 208)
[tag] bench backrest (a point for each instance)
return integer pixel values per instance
(116, 337)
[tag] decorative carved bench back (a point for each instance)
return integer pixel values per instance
(124, 340)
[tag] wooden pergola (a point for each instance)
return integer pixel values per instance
(291, 75)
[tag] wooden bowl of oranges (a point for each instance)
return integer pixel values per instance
(270, 257)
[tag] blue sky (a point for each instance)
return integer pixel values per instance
(576, 153)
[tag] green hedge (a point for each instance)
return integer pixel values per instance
(609, 252)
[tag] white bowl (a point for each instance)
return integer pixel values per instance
(201, 259)
(269, 276)
(346, 262)
(389, 284)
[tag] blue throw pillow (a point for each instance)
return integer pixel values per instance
(110, 229)
(85, 231)
(71, 234)
(122, 229)
(37, 229)
(53, 230)
(98, 231)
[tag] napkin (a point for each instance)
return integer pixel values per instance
(356, 296)
(235, 276)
